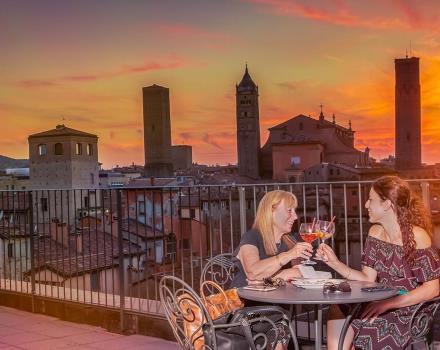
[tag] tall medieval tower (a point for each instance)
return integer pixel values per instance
(408, 114)
(157, 131)
(248, 127)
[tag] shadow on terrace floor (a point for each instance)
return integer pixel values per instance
(24, 330)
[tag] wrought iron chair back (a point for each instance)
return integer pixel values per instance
(261, 325)
(178, 301)
(220, 269)
(422, 320)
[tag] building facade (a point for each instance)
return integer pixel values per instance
(248, 127)
(182, 157)
(157, 131)
(63, 159)
(408, 114)
(302, 142)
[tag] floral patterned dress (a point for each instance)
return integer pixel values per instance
(391, 329)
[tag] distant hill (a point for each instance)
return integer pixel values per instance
(6, 162)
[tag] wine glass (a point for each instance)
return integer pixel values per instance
(326, 229)
(308, 232)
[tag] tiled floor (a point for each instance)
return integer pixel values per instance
(24, 330)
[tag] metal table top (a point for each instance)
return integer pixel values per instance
(291, 294)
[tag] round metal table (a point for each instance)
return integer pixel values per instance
(290, 294)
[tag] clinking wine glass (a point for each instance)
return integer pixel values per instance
(308, 232)
(326, 230)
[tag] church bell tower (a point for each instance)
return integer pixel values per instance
(248, 127)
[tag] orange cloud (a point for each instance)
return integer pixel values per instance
(403, 14)
(170, 63)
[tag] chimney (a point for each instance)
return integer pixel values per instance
(59, 232)
(110, 224)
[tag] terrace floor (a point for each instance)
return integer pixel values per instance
(25, 330)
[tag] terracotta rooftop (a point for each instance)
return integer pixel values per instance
(99, 251)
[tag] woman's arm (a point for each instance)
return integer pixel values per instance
(330, 258)
(257, 269)
(424, 292)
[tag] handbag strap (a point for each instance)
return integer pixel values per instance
(216, 287)
(247, 333)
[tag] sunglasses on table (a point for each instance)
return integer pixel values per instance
(330, 287)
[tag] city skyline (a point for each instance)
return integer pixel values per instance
(84, 64)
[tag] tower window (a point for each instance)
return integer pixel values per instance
(10, 250)
(78, 149)
(245, 114)
(42, 150)
(58, 149)
(43, 204)
(89, 149)
(301, 126)
(408, 136)
(86, 202)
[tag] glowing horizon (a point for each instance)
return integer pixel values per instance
(87, 63)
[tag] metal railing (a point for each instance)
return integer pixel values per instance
(110, 247)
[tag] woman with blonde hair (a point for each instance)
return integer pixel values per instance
(267, 249)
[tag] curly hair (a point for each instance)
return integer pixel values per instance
(409, 209)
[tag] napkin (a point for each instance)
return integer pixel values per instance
(309, 272)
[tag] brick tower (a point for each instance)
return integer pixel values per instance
(408, 114)
(157, 131)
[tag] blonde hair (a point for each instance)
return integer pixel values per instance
(264, 218)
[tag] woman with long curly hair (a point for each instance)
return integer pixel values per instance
(397, 253)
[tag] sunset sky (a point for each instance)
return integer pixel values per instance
(87, 60)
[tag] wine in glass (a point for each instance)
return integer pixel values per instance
(326, 229)
(308, 232)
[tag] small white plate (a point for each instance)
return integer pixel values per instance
(314, 283)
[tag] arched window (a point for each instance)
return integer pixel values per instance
(42, 150)
(89, 149)
(58, 149)
(301, 126)
(78, 149)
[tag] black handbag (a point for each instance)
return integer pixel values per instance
(236, 330)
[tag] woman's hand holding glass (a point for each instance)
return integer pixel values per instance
(326, 254)
(301, 250)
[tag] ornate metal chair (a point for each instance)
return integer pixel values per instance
(255, 325)
(219, 269)
(422, 320)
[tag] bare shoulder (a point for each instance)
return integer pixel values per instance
(422, 238)
(376, 231)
